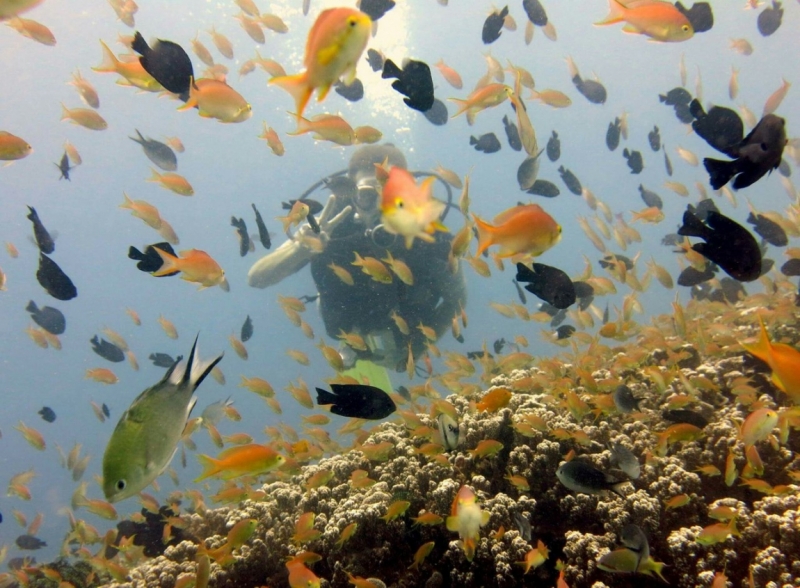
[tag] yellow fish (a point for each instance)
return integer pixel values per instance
(783, 360)
(335, 43)
(467, 518)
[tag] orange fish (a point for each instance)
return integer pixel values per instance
(335, 43)
(102, 375)
(250, 459)
(196, 266)
(783, 360)
(482, 98)
(661, 21)
(467, 518)
(524, 229)
(409, 209)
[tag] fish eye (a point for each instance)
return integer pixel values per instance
(763, 146)
(685, 28)
(398, 203)
(353, 22)
(121, 484)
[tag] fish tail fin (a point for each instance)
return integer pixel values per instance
(616, 13)
(110, 62)
(485, 234)
(325, 397)
(469, 544)
(463, 106)
(139, 44)
(154, 176)
(298, 86)
(134, 253)
(65, 113)
(303, 126)
(762, 348)
(390, 70)
(170, 265)
(191, 100)
(32, 307)
(128, 202)
(720, 172)
(140, 140)
(210, 467)
(692, 226)
(472, 140)
(196, 369)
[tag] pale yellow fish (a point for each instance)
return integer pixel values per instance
(775, 99)
(84, 117)
(33, 30)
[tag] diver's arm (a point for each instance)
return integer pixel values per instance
(293, 255)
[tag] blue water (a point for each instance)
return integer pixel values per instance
(230, 167)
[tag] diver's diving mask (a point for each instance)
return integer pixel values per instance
(366, 200)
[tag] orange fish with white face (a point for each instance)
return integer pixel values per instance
(195, 266)
(409, 209)
(467, 518)
(335, 43)
(521, 230)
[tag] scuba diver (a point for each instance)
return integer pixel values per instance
(350, 223)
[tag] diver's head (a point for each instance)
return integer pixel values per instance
(362, 171)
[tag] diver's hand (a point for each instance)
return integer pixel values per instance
(295, 253)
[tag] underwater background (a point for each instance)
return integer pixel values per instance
(229, 168)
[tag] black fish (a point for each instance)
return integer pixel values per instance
(64, 167)
(544, 188)
(582, 289)
(488, 143)
(676, 96)
(498, 345)
(413, 81)
(770, 19)
(314, 207)
(548, 283)
(535, 11)
(570, 180)
(162, 360)
(437, 114)
(654, 138)
(624, 399)
(685, 415)
(754, 156)
(580, 476)
(594, 91)
(375, 59)
(493, 26)
(611, 260)
(784, 169)
(558, 316)
(520, 292)
(357, 401)
(404, 393)
(244, 236)
(635, 161)
(47, 414)
(308, 299)
(791, 267)
(43, 238)
(29, 542)
(667, 164)
(722, 128)
(247, 330)
(50, 319)
(553, 147)
(671, 239)
(699, 15)
(105, 410)
(150, 261)
(727, 243)
(768, 230)
(612, 134)
(159, 153)
(527, 171)
(54, 280)
(702, 208)
(479, 354)
(732, 289)
(312, 222)
(375, 9)
(263, 233)
(107, 350)
(651, 198)
(565, 331)
(512, 134)
(354, 92)
(167, 62)
(692, 277)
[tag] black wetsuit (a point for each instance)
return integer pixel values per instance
(366, 307)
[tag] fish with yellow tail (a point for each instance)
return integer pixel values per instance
(521, 230)
(147, 434)
(335, 43)
(783, 360)
(466, 518)
(409, 209)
